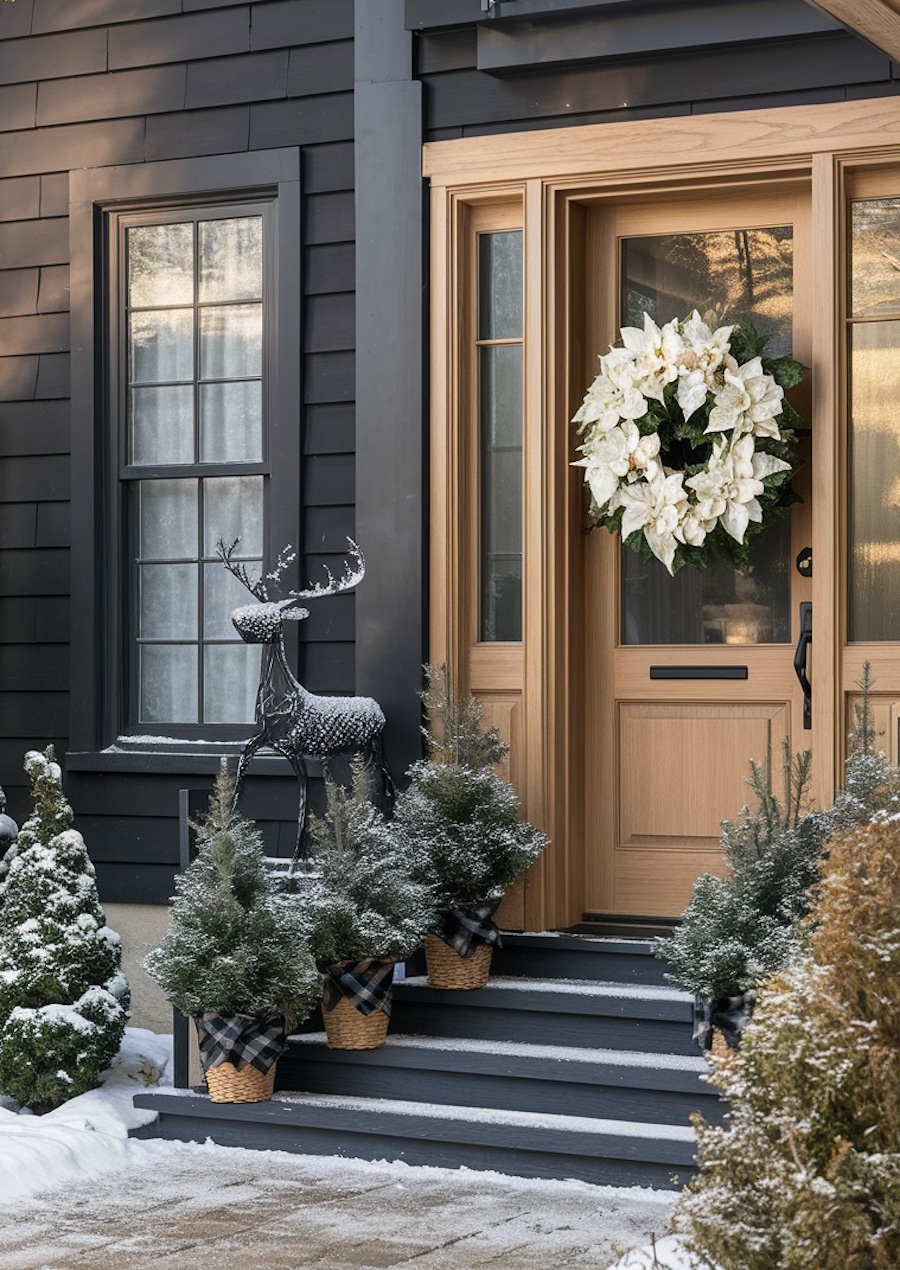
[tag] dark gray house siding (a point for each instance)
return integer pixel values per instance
(87, 84)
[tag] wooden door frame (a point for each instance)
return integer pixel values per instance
(554, 172)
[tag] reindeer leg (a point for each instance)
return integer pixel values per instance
(244, 762)
(389, 791)
(298, 763)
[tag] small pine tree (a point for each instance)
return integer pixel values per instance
(362, 900)
(235, 947)
(63, 998)
(459, 817)
(738, 929)
(805, 1175)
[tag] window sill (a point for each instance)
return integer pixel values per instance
(173, 757)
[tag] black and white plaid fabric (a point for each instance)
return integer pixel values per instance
(729, 1014)
(240, 1039)
(366, 984)
(463, 928)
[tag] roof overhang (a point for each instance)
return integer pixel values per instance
(877, 21)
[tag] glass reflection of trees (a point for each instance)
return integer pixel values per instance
(729, 276)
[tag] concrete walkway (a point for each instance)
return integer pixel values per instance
(213, 1207)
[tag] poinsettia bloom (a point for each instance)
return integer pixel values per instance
(654, 354)
(728, 489)
(606, 403)
(701, 363)
(693, 529)
(749, 402)
(656, 507)
(610, 457)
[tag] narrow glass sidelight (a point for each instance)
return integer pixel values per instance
(729, 276)
(499, 344)
(874, 353)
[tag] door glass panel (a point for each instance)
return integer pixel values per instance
(729, 276)
(500, 405)
(874, 557)
(875, 256)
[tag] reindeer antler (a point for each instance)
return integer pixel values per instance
(333, 586)
(239, 570)
(348, 579)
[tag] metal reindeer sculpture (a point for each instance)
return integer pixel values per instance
(290, 720)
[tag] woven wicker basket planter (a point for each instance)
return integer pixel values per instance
(227, 1083)
(446, 969)
(346, 1028)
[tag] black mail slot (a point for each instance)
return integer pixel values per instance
(698, 672)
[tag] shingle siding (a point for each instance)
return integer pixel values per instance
(94, 83)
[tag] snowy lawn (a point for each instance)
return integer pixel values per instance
(76, 1191)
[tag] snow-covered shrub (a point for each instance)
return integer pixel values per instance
(63, 998)
(806, 1173)
(234, 945)
(459, 817)
(362, 900)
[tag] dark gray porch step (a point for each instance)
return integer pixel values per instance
(577, 1012)
(548, 954)
(513, 1076)
(603, 1151)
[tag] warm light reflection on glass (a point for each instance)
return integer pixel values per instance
(874, 564)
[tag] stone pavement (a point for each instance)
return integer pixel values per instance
(214, 1208)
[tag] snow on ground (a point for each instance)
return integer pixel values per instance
(664, 1254)
(76, 1190)
(88, 1135)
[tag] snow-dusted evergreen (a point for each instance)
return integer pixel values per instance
(235, 947)
(459, 817)
(362, 899)
(740, 928)
(63, 998)
(806, 1173)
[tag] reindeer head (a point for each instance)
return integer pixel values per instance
(261, 623)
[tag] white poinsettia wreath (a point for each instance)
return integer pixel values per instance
(687, 447)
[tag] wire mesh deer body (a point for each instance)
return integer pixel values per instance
(289, 719)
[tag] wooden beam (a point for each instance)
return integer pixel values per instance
(877, 21)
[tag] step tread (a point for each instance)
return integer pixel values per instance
(597, 988)
(489, 1115)
(567, 940)
(523, 1049)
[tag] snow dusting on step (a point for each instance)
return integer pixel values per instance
(576, 987)
(489, 1115)
(523, 1049)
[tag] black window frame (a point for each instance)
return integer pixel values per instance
(100, 199)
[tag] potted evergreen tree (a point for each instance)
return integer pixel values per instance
(365, 908)
(738, 929)
(461, 821)
(63, 998)
(236, 957)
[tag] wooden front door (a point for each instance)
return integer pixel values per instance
(689, 678)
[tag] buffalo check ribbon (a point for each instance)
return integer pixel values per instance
(240, 1039)
(366, 984)
(729, 1014)
(463, 928)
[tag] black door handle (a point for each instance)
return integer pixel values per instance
(801, 660)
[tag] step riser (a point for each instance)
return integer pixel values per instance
(603, 967)
(365, 1146)
(650, 1106)
(651, 1036)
